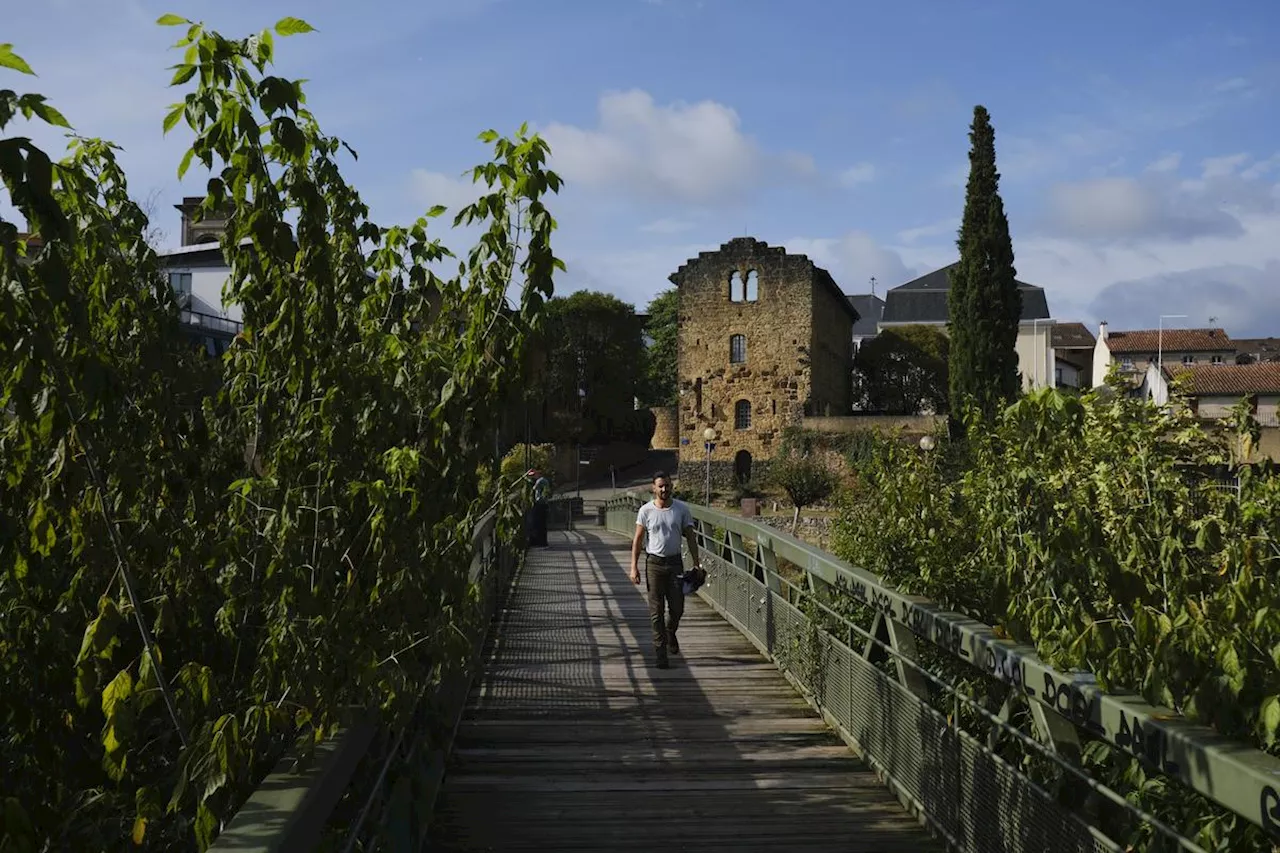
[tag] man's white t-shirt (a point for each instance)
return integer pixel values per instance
(665, 526)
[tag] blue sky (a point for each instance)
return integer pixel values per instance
(1137, 140)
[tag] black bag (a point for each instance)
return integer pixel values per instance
(693, 579)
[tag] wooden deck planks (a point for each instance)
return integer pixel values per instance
(572, 740)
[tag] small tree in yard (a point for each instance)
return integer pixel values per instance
(806, 481)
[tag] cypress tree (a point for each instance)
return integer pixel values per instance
(985, 303)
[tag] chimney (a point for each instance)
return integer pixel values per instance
(1102, 330)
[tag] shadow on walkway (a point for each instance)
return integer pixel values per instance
(572, 740)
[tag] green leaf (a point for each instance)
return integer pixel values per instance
(206, 826)
(171, 20)
(1270, 719)
(174, 116)
(99, 633)
(139, 830)
(186, 162)
(293, 26)
(436, 211)
(119, 690)
(9, 59)
(183, 74)
(50, 115)
(86, 683)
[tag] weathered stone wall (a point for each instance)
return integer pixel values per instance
(831, 350)
(666, 430)
(778, 326)
(693, 476)
(816, 530)
(882, 423)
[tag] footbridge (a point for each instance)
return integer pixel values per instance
(812, 707)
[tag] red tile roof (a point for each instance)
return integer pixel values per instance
(1174, 340)
(1228, 379)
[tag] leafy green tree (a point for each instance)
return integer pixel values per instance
(804, 478)
(663, 328)
(984, 300)
(197, 575)
(903, 371)
(593, 344)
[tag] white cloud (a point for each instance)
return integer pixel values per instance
(632, 275)
(1126, 208)
(1167, 163)
(1260, 168)
(945, 227)
(1235, 84)
(696, 153)
(1221, 167)
(432, 188)
(1133, 248)
(1241, 298)
(853, 260)
(861, 173)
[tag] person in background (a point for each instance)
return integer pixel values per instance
(538, 513)
(663, 521)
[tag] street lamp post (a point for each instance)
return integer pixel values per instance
(582, 399)
(709, 439)
(1160, 340)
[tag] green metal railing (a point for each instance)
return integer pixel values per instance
(291, 810)
(951, 759)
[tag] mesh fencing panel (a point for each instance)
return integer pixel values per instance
(979, 800)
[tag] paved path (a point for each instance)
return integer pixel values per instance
(572, 740)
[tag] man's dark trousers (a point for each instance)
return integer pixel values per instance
(538, 524)
(666, 591)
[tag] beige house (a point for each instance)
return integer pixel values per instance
(925, 301)
(1073, 346)
(1212, 390)
(1133, 351)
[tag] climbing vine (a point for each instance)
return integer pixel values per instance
(204, 564)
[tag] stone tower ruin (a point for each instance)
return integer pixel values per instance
(765, 339)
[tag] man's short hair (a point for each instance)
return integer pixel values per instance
(660, 475)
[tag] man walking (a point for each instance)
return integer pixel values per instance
(663, 521)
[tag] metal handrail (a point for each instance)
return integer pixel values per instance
(289, 809)
(1231, 773)
(202, 320)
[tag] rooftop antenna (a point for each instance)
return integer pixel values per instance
(873, 287)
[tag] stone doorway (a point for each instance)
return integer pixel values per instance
(742, 466)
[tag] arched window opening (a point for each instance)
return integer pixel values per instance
(753, 286)
(742, 415)
(736, 290)
(742, 466)
(737, 349)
